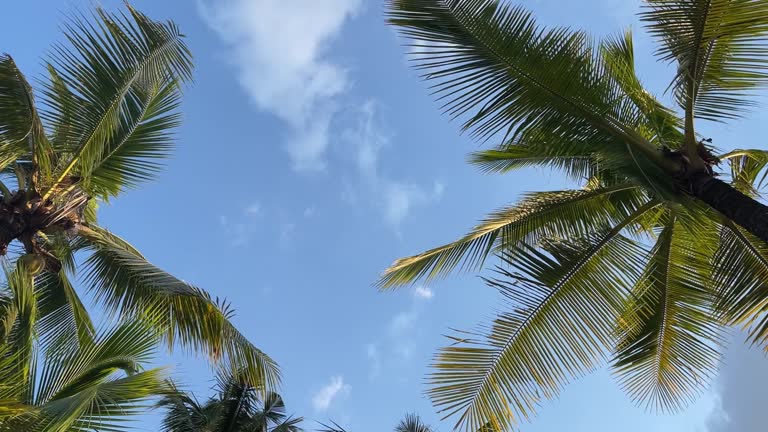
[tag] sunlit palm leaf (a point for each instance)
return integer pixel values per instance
(748, 170)
(494, 63)
(126, 283)
(663, 127)
(21, 132)
(103, 85)
(719, 48)
(559, 325)
(671, 343)
(579, 212)
(94, 385)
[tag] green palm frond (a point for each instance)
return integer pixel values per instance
(719, 48)
(127, 284)
(573, 158)
(116, 77)
(670, 346)
(334, 427)
(563, 307)
(94, 385)
(21, 131)
(748, 173)
(63, 315)
(662, 126)
(412, 423)
(578, 212)
(495, 65)
(741, 276)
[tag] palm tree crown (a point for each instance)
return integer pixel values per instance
(237, 407)
(105, 124)
(641, 267)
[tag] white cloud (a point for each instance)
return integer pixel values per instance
(309, 212)
(742, 391)
(253, 209)
(374, 359)
(325, 396)
(423, 292)
(280, 50)
(403, 322)
(395, 198)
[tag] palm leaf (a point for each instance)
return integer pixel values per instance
(563, 303)
(746, 166)
(579, 212)
(719, 47)
(116, 69)
(21, 131)
(670, 348)
(494, 61)
(127, 284)
(412, 423)
(741, 277)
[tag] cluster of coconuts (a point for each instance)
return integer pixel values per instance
(32, 263)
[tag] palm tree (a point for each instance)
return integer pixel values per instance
(94, 385)
(641, 267)
(410, 423)
(106, 121)
(237, 407)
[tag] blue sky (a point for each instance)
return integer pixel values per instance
(310, 157)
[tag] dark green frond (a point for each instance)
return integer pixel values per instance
(741, 276)
(412, 423)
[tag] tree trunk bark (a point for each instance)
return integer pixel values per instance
(741, 209)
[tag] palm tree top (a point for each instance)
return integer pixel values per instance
(101, 122)
(643, 266)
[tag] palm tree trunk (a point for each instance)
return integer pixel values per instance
(736, 206)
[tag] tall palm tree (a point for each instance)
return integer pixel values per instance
(105, 124)
(237, 407)
(56, 383)
(642, 266)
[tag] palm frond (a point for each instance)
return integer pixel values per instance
(95, 385)
(21, 131)
(127, 284)
(719, 48)
(670, 346)
(496, 65)
(117, 75)
(662, 126)
(577, 212)
(412, 423)
(563, 303)
(741, 277)
(63, 315)
(748, 173)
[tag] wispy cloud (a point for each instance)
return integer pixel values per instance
(241, 227)
(424, 293)
(395, 198)
(280, 49)
(326, 395)
(374, 359)
(742, 392)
